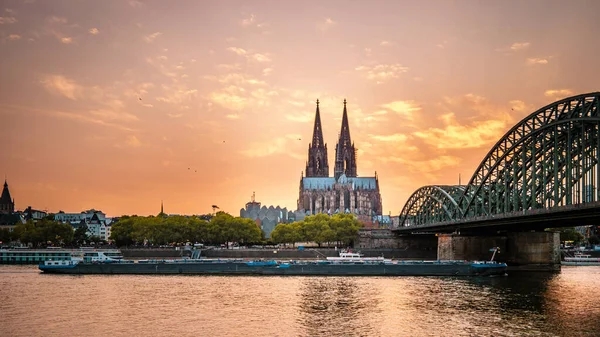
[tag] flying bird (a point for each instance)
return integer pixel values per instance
(140, 98)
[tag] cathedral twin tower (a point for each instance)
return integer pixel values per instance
(345, 153)
(345, 192)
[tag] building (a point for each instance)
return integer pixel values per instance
(345, 191)
(7, 204)
(96, 222)
(266, 218)
(34, 214)
(78, 217)
(8, 217)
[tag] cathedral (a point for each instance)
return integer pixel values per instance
(345, 192)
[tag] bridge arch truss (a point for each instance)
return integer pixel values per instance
(549, 159)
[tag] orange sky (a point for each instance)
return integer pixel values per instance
(106, 104)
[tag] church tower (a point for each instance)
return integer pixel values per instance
(7, 205)
(345, 153)
(317, 165)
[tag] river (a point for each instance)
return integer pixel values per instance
(529, 304)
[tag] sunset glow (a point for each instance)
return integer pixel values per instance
(117, 105)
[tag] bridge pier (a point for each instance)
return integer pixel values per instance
(522, 251)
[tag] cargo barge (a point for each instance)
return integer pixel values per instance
(345, 265)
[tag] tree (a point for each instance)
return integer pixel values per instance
(80, 235)
(570, 234)
(43, 232)
(122, 231)
(316, 228)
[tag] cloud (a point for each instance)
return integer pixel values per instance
(66, 40)
(7, 20)
(249, 20)
(133, 141)
(261, 58)
(488, 124)
(535, 60)
(172, 115)
(279, 145)
(136, 4)
(94, 31)
(442, 45)
(230, 98)
(252, 22)
(302, 117)
(58, 84)
(111, 115)
(267, 71)
(14, 37)
(252, 56)
(385, 43)
(150, 38)
(428, 165)
(557, 94)
(382, 72)
(326, 24)
(233, 116)
(71, 116)
(403, 108)
(239, 51)
(396, 137)
(520, 45)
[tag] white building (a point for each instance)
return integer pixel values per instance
(78, 217)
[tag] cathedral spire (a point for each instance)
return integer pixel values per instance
(345, 153)
(345, 131)
(7, 204)
(317, 165)
(317, 139)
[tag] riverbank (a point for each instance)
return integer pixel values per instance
(311, 253)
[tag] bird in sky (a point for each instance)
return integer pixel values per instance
(140, 98)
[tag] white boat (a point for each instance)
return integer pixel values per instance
(88, 256)
(348, 256)
(581, 259)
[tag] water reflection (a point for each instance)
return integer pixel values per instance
(336, 306)
(563, 304)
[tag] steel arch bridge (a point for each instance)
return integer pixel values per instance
(548, 161)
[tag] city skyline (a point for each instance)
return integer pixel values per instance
(118, 105)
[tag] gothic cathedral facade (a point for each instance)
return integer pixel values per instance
(345, 192)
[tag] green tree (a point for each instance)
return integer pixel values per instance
(316, 228)
(570, 234)
(80, 235)
(122, 231)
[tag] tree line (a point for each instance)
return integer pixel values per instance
(341, 229)
(40, 234)
(160, 230)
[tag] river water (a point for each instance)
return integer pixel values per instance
(529, 304)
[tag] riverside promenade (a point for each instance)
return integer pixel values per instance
(272, 253)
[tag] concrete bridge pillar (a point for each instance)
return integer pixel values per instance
(533, 251)
(463, 247)
(524, 251)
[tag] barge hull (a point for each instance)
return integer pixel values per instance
(423, 269)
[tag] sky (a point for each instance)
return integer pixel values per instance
(117, 105)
